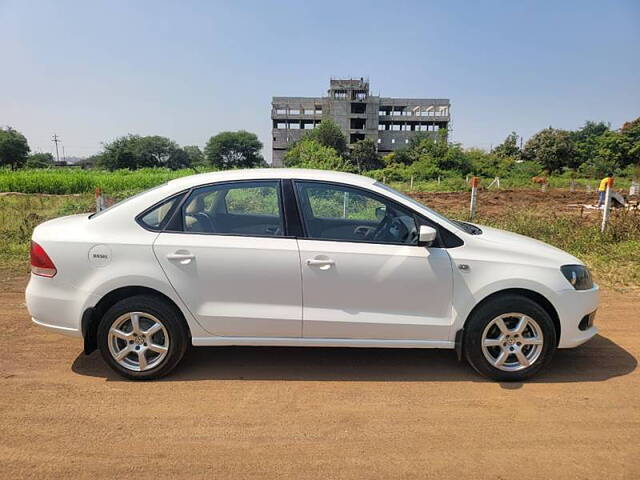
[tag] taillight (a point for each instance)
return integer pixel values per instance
(41, 264)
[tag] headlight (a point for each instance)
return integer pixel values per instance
(578, 276)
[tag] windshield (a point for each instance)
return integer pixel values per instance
(420, 205)
(125, 200)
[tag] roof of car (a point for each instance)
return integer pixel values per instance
(271, 173)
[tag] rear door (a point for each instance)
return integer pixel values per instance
(230, 262)
(364, 275)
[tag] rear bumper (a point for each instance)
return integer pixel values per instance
(572, 306)
(55, 306)
(71, 332)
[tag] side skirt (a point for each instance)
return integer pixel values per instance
(319, 342)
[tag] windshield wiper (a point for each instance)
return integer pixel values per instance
(467, 227)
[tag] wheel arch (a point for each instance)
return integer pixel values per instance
(92, 315)
(530, 294)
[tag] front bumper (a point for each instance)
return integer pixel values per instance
(573, 306)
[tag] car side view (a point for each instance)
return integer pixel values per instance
(292, 257)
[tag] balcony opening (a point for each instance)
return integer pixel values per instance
(357, 123)
(358, 108)
(355, 137)
(359, 95)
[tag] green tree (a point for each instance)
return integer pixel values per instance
(364, 156)
(196, 157)
(14, 148)
(586, 140)
(239, 149)
(308, 153)
(327, 133)
(490, 164)
(526, 169)
(552, 148)
(631, 131)
(134, 151)
(509, 148)
(39, 160)
(178, 159)
(156, 151)
(425, 144)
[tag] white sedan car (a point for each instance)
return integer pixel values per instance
(302, 258)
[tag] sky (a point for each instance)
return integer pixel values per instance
(91, 71)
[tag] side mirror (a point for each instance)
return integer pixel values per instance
(381, 212)
(426, 235)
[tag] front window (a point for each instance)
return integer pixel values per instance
(336, 212)
(439, 216)
(242, 208)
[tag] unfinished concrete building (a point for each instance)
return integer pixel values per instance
(389, 122)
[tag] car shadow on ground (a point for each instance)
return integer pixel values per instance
(598, 360)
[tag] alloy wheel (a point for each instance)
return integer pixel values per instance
(512, 342)
(138, 341)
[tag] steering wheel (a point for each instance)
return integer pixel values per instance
(391, 229)
(206, 219)
(381, 231)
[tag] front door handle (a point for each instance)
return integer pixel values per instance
(318, 262)
(183, 257)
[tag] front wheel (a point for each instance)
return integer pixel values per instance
(509, 338)
(142, 337)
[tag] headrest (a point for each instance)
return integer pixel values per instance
(196, 205)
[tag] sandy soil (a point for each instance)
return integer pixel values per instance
(492, 202)
(317, 413)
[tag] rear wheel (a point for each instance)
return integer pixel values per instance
(142, 337)
(509, 338)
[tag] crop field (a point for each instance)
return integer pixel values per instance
(75, 180)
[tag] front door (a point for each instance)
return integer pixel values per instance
(363, 273)
(231, 264)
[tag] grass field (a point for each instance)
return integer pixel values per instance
(614, 256)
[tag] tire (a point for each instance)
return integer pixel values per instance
(142, 337)
(515, 349)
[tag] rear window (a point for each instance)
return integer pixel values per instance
(158, 216)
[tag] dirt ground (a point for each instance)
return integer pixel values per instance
(491, 202)
(317, 412)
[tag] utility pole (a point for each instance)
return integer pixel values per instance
(64, 157)
(56, 140)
